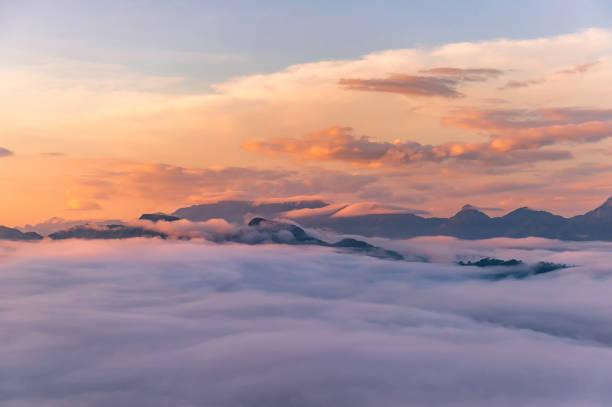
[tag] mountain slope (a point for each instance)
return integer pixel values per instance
(105, 232)
(471, 223)
(237, 211)
(287, 233)
(468, 223)
(17, 235)
(525, 222)
(593, 225)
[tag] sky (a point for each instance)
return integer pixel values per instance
(111, 109)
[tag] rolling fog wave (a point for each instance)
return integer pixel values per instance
(176, 323)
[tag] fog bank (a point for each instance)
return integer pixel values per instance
(147, 322)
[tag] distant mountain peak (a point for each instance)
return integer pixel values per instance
(257, 221)
(604, 210)
(298, 233)
(7, 233)
(239, 211)
(470, 222)
(274, 230)
(87, 231)
(525, 210)
(469, 212)
(158, 216)
(599, 218)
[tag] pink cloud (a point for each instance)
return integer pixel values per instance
(443, 84)
(470, 74)
(408, 85)
(521, 84)
(518, 129)
(580, 69)
(168, 184)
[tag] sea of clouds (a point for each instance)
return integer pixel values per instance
(146, 322)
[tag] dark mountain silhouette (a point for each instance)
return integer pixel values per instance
(281, 232)
(393, 225)
(524, 222)
(513, 268)
(16, 234)
(56, 224)
(105, 232)
(468, 223)
(489, 262)
(156, 217)
(359, 246)
(238, 211)
(287, 233)
(593, 225)
(471, 223)
(257, 231)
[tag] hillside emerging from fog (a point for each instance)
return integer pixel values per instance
(468, 223)
(364, 219)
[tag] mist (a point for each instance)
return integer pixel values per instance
(147, 322)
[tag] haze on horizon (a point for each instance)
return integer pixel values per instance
(111, 111)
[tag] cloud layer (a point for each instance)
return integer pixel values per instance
(193, 324)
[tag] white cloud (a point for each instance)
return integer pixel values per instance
(147, 322)
(371, 208)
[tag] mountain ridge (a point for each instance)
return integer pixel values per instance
(15, 234)
(468, 223)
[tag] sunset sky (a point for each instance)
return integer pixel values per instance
(111, 109)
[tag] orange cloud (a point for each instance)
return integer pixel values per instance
(333, 143)
(522, 129)
(339, 144)
(76, 204)
(163, 184)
